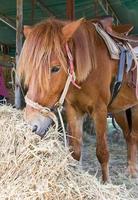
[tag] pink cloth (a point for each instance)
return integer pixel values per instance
(3, 89)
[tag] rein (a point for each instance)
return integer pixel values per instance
(59, 105)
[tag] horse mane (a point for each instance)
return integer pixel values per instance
(84, 39)
(47, 37)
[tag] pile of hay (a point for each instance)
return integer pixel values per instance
(31, 168)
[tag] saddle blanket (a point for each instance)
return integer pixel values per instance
(110, 43)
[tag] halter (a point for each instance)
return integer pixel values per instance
(59, 105)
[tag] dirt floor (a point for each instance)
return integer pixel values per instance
(118, 159)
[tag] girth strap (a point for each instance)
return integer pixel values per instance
(120, 73)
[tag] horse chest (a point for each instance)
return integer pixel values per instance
(81, 101)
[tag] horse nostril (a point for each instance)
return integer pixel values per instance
(34, 129)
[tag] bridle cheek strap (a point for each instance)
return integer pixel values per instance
(64, 93)
(71, 78)
(71, 67)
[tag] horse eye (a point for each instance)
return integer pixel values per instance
(55, 69)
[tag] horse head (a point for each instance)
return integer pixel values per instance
(43, 66)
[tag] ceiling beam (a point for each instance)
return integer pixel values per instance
(8, 21)
(44, 7)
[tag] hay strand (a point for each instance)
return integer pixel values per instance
(35, 169)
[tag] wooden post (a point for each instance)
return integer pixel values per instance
(19, 36)
(70, 9)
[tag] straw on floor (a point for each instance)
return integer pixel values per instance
(31, 168)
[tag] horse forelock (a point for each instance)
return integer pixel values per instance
(37, 51)
(46, 38)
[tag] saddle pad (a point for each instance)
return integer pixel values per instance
(110, 43)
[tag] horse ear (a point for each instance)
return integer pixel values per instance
(69, 29)
(26, 30)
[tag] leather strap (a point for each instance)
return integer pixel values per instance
(120, 73)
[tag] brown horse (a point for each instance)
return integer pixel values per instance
(128, 121)
(44, 65)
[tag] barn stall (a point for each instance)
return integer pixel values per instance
(29, 170)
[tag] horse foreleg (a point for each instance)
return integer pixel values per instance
(99, 116)
(75, 122)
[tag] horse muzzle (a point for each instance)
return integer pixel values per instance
(41, 125)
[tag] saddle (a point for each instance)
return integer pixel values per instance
(119, 32)
(120, 45)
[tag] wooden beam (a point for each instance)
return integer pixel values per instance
(19, 101)
(70, 9)
(44, 7)
(8, 21)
